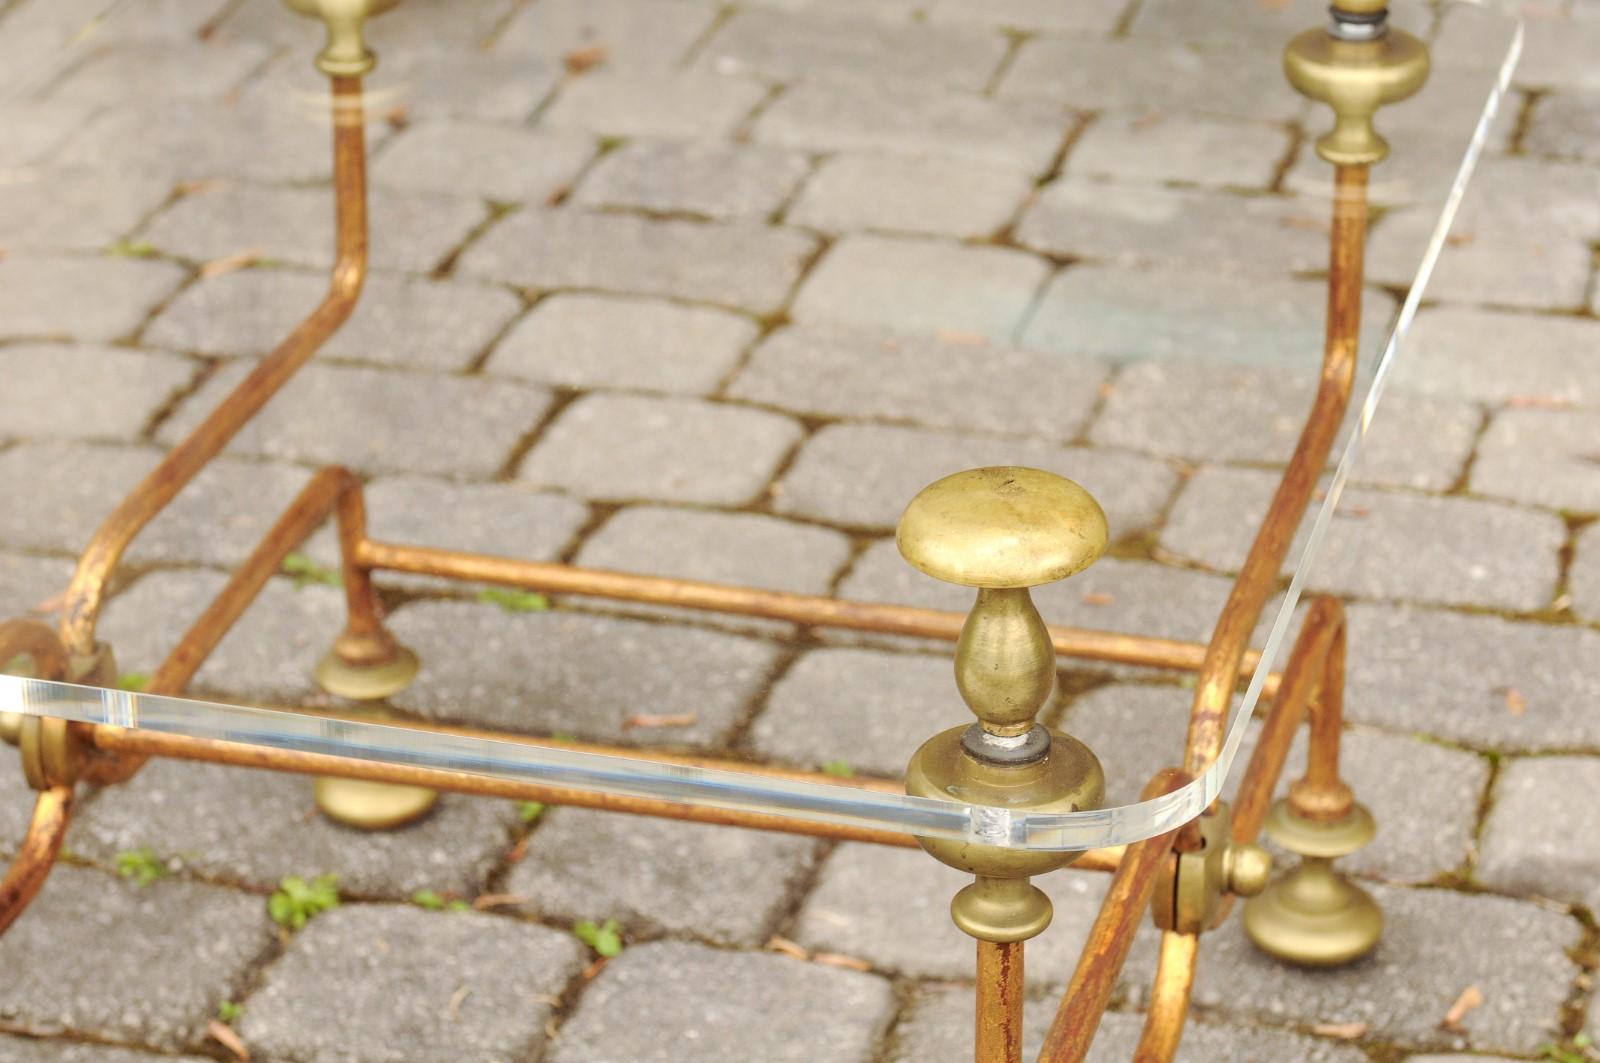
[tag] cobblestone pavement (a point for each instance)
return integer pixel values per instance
(716, 306)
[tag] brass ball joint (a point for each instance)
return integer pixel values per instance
(1003, 530)
(346, 54)
(1356, 64)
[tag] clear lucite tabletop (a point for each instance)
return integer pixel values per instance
(966, 251)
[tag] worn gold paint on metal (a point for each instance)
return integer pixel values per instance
(1189, 901)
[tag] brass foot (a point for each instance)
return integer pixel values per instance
(1314, 916)
(373, 805)
(367, 680)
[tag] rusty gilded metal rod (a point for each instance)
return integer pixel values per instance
(1258, 576)
(1313, 683)
(52, 813)
(555, 578)
(1169, 998)
(1078, 1017)
(999, 1007)
(86, 593)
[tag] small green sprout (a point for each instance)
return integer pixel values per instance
(563, 736)
(515, 601)
(305, 571)
(142, 866)
(530, 810)
(131, 249)
(435, 902)
(229, 1012)
(134, 681)
(21, 664)
(839, 769)
(605, 940)
(296, 900)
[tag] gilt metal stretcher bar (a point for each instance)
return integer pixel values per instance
(1000, 530)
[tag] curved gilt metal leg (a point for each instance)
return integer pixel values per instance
(32, 648)
(52, 812)
(1169, 998)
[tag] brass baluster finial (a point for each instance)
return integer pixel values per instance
(1003, 530)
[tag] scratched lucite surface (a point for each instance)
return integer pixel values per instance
(1159, 212)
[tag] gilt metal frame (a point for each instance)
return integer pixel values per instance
(1186, 878)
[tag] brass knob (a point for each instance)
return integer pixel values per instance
(346, 54)
(1248, 868)
(1355, 78)
(1004, 530)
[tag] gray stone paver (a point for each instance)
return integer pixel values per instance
(1584, 576)
(1029, 14)
(29, 583)
(937, 1028)
(74, 210)
(1103, 220)
(1564, 127)
(1172, 408)
(254, 828)
(659, 875)
(146, 70)
(396, 984)
(910, 194)
(1160, 148)
(741, 266)
(723, 182)
(85, 298)
(794, 46)
(1532, 842)
(1477, 552)
(634, 36)
(869, 710)
(400, 321)
(86, 392)
(374, 420)
(584, 340)
(1025, 134)
(750, 132)
(668, 1001)
(494, 162)
(671, 105)
(195, 942)
(1489, 267)
(1394, 681)
(411, 231)
(921, 287)
(1514, 955)
(748, 549)
(205, 139)
(863, 475)
(1502, 357)
(627, 447)
(961, 384)
(1541, 457)
(1113, 312)
(891, 908)
(567, 673)
(30, 1050)
(1148, 78)
(65, 511)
